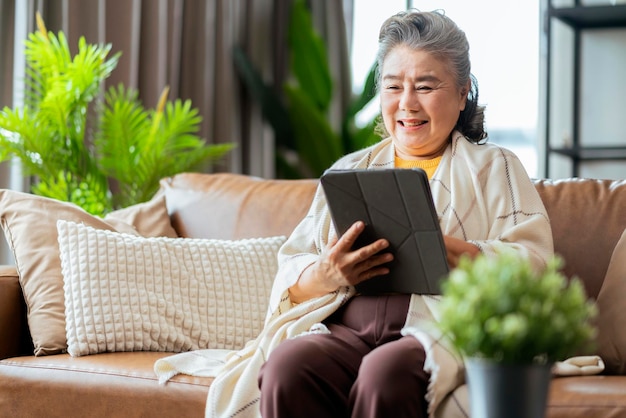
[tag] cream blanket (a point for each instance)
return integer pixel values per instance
(482, 194)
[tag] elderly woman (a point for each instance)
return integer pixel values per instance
(372, 356)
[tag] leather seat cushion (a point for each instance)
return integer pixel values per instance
(103, 385)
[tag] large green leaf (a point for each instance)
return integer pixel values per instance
(355, 138)
(272, 107)
(367, 94)
(122, 125)
(316, 142)
(309, 62)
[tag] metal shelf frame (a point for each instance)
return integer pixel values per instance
(579, 18)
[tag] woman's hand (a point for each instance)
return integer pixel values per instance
(339, 266)
(455, 248)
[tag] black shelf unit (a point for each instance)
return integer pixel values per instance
(579, 18)
(590, 17)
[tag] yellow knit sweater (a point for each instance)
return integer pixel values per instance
(429, 166)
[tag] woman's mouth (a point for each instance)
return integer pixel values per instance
(412, 124)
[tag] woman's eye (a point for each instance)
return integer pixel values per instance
(423, 88)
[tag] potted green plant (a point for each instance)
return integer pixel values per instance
(99, 154)
(511, 323)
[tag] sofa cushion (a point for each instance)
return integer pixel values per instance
(148, 219)
(240, 206)
(29, 224)
(611, 319)
(129, 293)
(102, 386)
(589, 208)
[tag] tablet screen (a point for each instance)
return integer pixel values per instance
(395, 204)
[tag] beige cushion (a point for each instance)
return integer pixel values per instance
(148, 219)
(612, 313)
(29, 224)
(129, 293)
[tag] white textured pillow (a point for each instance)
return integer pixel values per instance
(130, 293)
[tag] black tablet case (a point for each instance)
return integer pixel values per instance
(395, 204)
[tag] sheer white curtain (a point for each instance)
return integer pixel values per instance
(12, 31)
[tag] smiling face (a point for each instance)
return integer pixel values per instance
(420, 102)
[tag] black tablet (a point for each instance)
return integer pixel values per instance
(395, 204)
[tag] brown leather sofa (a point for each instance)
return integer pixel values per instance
(588, 217)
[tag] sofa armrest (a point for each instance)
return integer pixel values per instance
(14, 332)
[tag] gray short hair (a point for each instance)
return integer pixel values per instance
(436, 34)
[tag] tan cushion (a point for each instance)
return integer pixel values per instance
(29, 224)
(129, 293)
(240, 206)
(589, 208)
(611, 313)
(111, 385)
(148, 219)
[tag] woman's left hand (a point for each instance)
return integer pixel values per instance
(455, 248)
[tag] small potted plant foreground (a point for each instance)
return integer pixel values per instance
(511, 323)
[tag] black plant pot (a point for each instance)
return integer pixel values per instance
(499, 390)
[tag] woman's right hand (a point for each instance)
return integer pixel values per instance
(338, 265)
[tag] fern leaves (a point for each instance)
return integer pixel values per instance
(138, 147)
(131, 148)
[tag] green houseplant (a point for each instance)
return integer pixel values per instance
(298, 110)
(99, 154)
(511, 324)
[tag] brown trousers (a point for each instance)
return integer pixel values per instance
(364, 368)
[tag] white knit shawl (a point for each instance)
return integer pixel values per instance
(482, 195)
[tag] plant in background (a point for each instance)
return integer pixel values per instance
(98, 155)
(498, 308)
(300, 120)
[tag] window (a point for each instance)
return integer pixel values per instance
(504, 49)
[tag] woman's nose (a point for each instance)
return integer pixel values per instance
(409, 100)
